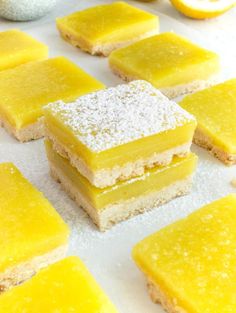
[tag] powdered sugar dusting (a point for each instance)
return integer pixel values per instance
(118, 115)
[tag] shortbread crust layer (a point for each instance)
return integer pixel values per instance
(175, 91)
(102, 49)
(158, 296)
(108, 177)
(32, 132)
(17, 274)
(203, 140)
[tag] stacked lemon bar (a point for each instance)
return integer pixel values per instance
(120, 151)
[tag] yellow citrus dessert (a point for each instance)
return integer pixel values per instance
(114, 134)
(104, 28)
(26, 89)
(191, 264)
(215, 111)
(110, 205)
(33, 235)
(203, 9)
(66, 286)
(18, 48)
(170, 62)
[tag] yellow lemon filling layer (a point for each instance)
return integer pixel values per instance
(165, 60)
(66, 286)
(109, 23)
(193, 261)
(215, 111)
(120, 155)
(18, 48)
(29, 225)
(26, 89)
(153, 180)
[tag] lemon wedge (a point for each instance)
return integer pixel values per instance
(203, 9)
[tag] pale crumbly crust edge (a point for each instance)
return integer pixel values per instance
(204, 141)
(118, 212)
(108, 177)
(175, 91)
(31, 132)
(17, 274)
(158, 296)
(102, 49)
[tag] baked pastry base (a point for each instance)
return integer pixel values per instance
(118, 212)
(158, 296)
(108, 177)
(178, 90)
(30, 132)
(102, 49)
(23, 271)
(205, 141)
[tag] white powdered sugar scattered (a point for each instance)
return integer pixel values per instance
(118, 115)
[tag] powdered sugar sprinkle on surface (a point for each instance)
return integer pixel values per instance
(118, 115)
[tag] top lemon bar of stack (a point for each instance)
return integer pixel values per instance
(18, 48)
(116, 133)
(103, 28)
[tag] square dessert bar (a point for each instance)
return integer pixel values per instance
(33, 235)
(25, 89)
(18, 48)
(191, 265)
(215, 110)
(114, 134)
(65, 287)
(104, 28)
(111, 205)
(170, 62)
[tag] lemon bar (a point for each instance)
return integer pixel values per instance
(33, 235)
(215, 111)
(25, 89)
(18, 48)
(66, 286)
(190, 265)
(170, 62)
(114, 134)
(113, 204)
(101, 29)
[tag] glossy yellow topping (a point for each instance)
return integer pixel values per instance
(165, 60)
(194, 260)
(29, 225)
(215, 111)
(26, 89)
(108, 23)
(65, 287)
(153, 180)
(18, 48)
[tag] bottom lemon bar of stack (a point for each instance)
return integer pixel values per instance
(33, 235)
(66, 286)
(110, 205)
(191, 264)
